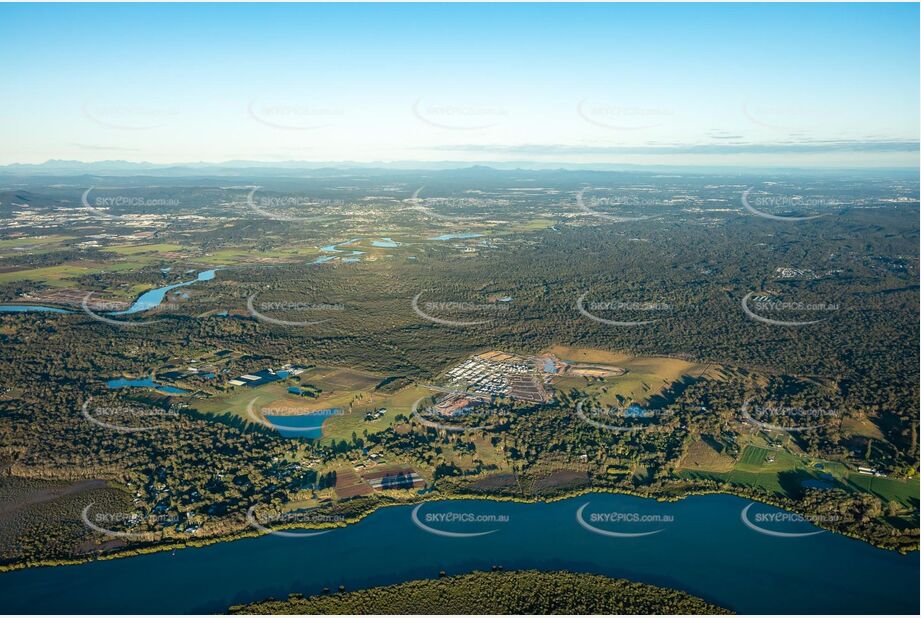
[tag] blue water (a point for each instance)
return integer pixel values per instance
(144, 383)
(328, 258)
(634, 410)
(385, 242)
(333, 249)
(549, 366)
(706, 551)
(460, 235)
(28, 308)
(153, 298)
(301, 425)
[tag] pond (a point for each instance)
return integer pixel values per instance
(302, 425)
(457, 236)
(144, 383)
(30, 308)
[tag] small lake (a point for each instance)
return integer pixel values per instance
(30, 308)
(634, 411)
(153, 298)
(705, 550)
(144, 383)
(387, 243)
(458, 236)
(308, 426)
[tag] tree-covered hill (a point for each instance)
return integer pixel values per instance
(498, 592)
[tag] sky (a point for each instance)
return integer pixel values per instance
(823, 85)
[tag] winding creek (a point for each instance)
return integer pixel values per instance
(701, 545)
(146, 301)
(153, 298)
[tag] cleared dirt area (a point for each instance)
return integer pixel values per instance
(341, 379)
(349, 484)
(646, 376)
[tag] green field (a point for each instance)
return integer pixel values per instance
(52, 275)
(26, 241)
(152, 248)
(60, 275)
(785, 474)
(904, 492)
(645, 378)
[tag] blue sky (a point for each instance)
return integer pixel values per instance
(764, 84)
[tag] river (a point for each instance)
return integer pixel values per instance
(705, 549)
(153, 298)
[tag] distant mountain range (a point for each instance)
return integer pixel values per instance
(59, 167)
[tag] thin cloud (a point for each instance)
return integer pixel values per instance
(829, 146)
